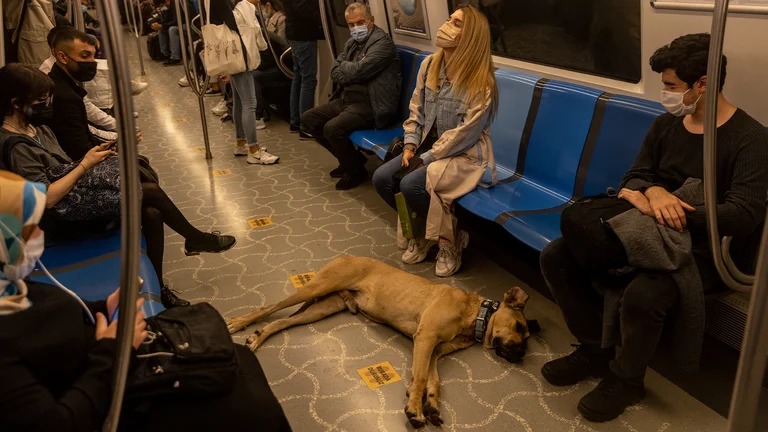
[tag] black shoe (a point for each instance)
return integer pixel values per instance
(577, 366)
(226, 117)
(169, 298)
(294, 129)
(213, 242)
(172, 62)
(350, 181)
(610, 398)
(304, 136)
(337, 172)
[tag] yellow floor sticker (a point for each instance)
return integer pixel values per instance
(198, 149)
(300, 280)
(259, 222)
(379, 374)
(222, 172)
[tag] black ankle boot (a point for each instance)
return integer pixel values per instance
(213, 242)
(611, 397)
(337, 172)
(585, 362)
(169, 298)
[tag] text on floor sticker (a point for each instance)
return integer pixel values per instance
(379, 374)
(300, 280)
(259, 222)
(222, 172)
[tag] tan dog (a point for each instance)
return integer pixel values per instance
(441, 319)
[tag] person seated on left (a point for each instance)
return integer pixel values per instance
(56, 365)
(25, 99)
(367, 78)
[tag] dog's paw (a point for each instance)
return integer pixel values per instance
(252, 342)
(417, 421)
(234, 325)
(433, 415)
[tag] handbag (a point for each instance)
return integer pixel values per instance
(223, 54)
(395, 148)
(588, 236)
(188, 352)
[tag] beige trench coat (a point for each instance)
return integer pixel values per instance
(461, 155)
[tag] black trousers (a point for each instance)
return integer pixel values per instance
(649, 298)
(250, 406)
(331, 124)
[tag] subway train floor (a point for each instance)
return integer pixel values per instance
(289, 220)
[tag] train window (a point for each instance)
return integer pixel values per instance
(599, 37)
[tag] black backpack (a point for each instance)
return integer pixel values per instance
(189, 352)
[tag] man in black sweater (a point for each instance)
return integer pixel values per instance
(671, 153)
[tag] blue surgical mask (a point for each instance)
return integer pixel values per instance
(359, 33)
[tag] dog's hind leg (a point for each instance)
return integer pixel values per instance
(432, 400)
(316, 311)
(335, 276)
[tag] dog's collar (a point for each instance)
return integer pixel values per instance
(487, 308)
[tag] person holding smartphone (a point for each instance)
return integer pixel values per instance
(452, 108)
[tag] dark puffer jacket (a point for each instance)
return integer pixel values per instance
(379, 69)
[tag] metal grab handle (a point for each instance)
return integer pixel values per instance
(281, 63)
(198, 86)
(278, 61)
(130, 207)
(729, 272)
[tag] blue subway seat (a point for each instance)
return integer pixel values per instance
(378, 140)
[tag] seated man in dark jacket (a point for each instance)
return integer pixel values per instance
(367, 79)
(671, 154)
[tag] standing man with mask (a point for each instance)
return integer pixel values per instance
(367, 79)
(75, 63)
(303, 29)
(671, 154)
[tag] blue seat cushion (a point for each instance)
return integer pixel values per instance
(83, 249)
(376, 140)
(536, 229)
(520, 195)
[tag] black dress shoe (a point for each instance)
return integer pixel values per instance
(213, 242)
(169, 298)
(350, 181)
(585, 362)
(337, 172)
(172, 62)
(611, 397)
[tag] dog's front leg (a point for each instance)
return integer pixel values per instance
(423, 346)
(432, 401)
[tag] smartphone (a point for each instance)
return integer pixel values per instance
(112, 146)
(114, 315)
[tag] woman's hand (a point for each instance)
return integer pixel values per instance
(110, 331)
(408, 154)
(97, 154)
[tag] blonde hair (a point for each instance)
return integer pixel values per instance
(471, 66)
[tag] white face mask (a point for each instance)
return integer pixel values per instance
(674, 103)
(31, 251)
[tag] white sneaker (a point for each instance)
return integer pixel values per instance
(138, 86)
(241, 150)
(417, 250)
(183, 82)
(220, 109)
(262, 157)
(260, 124)
(449, 256)
(135, 114)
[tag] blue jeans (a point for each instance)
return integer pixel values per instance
(413, 186)
(170, 43)
(244, 107)
(304, 78)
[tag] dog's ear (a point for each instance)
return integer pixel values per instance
(516, 298)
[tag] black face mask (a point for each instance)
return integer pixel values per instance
(39, 113)
(85, 71)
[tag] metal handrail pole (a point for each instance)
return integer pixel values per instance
(2, 39)
(281, 62)
(288, 74)
(137, 30)
(78, 15)
(191, 72)
(714, 61)
(130, 207)
(743, 412)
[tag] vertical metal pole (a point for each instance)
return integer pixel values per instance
(130, 208)
(742, 416)
(2, 38)
(137, 27)
(191, 72)
(77, 15)
(731, 275)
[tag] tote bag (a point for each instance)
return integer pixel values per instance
(223, 53)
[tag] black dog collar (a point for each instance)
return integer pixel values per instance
(487, 308)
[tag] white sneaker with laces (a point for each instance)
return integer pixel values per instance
(241, 150)
(220, 109)
(261, 157)
(449, 256)
(260, 124)
(183, 82)
(138, 86)
(417, 250)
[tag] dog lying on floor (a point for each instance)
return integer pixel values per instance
(441, 319)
